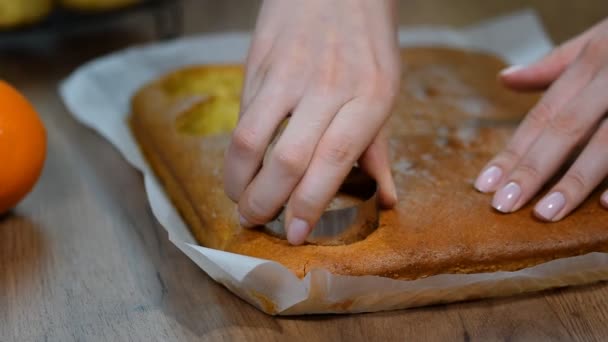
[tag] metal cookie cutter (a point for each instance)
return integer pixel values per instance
(351, 216)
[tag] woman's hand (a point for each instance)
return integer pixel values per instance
(333, 66)
(570, 115)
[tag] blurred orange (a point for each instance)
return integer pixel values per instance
(22, 146)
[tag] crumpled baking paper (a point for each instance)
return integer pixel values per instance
(98, 95)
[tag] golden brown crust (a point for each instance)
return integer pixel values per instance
(451, 118)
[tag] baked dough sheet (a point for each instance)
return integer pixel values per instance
(96, 99)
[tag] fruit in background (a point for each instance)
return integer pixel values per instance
(14, 13)
(96, 5)
(22, 146)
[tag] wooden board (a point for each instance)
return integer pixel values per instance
(84, 259)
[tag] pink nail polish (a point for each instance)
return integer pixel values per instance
(550, 206)
(297, 231)
(505, 198)
(511, 70)
(488, 179)
(605, 199)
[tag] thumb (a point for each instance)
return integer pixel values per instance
(375, 162)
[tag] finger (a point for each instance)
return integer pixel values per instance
(268, 23)
(581, 179)
(351, 131)
(288, 160)
(252, 135)
(254, 78)
(553, 146)
(375, 162)
(558, 95)
(256, 70)
(542, 73)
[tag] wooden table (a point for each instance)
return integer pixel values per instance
(82, 258)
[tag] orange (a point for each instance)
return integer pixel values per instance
(22, 146)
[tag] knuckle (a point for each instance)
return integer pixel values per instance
(255, 210)
(245, 141)
(338, 151)
(576, 179)
(509, 155)
(289, 159)
(528, 169)
(567, 125)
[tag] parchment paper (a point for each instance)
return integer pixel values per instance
(98, 95)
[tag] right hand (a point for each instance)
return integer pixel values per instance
(334, 66)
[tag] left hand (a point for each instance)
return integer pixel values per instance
(571, 114)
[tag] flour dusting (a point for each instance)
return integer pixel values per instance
(404, 167)
(468, 133)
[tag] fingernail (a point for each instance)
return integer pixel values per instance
(505, 198)
(511, 70)
(488, 179)
(244, 223)
(549, 206)
(604, 199)
(297, 231)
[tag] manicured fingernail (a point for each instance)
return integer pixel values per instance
(549, 206)
(505, 198)
(488, 179)
(605, 199)
(511, 70)
(244, 223)
(297, 231)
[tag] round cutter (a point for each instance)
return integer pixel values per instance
(351, 217)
